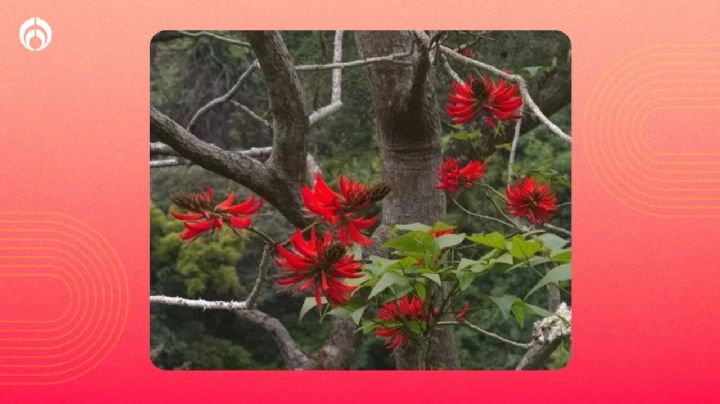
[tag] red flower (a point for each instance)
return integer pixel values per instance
(204, 217)
(532, 200)
(442, 232)
(467, 51)
(451, 178)
(463, 313)
(495, 102)
(318, 264)
(341, 209)
(395, 315)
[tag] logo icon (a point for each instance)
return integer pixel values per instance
(35, 34)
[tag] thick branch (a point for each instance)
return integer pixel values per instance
(287, 104)
(547, 335)
(235, 166)
(294, 357)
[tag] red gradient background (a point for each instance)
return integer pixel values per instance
(646, 203)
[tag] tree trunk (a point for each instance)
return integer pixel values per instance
(409, 135)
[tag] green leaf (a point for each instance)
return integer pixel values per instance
(417, 244)
(400, 291)
(533, 262)
(504, 259)
(532, 70)
(388, 279)
(555, 275)
(538, 310)
(465, 278)
(524, 249)
(552, 242)
(465, 262)
(420, 290)
(518, 311)
(494, 240)
(562, 256)
(413, 227)
(308, 304)
(504, 303)
(434, 277)
(356, 315)
(367, 326)
(449, 240)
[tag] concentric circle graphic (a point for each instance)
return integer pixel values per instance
(669, 172)
(70, 296)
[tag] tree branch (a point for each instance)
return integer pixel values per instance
(252, 114)
(169, 35)
(336, 91)
(223, 98)
(291, 353)
(287, 104)
(486, 333)
(519, 80)
(236, 166)
(513, 148)
(547, 335)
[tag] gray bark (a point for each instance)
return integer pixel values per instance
(409, 134)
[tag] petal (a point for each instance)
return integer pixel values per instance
(187, 216)
(240, 222)
(227, 202)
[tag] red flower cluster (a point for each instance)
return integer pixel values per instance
(439, 233)
(395, 316)
(451, 177)
(204, 217)
(460, 316)
(341, 209)
(531, 199)
(467, 51)
(318, 264)
(495, 102)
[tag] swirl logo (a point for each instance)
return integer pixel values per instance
(35, 34)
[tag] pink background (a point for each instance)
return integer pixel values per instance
(646, 168)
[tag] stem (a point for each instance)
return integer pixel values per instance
(513, 148)
(557, 229)
(485, 332)
(482, 216)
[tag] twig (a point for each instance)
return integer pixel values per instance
(519, 80)
(486, 333)
(213, 35)
(394, 58)
(256, 291)
(172, 162)
(450, 70)
(223, 98)
(199, 303)
(252, 114)
(482, 216)
(557, 229)
(336, 91)
(162, 149)
(513, 148)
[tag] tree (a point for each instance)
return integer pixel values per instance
(400, 66)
